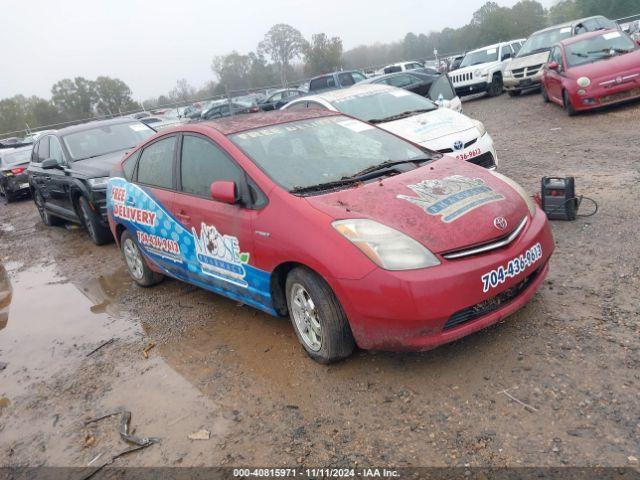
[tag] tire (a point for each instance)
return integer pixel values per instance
(317, 317)
(48, 219)
(136, 264)
(496, 87)
(514, 93)
(568, 106)
(98, 234)
(3, 192)
(545, 95)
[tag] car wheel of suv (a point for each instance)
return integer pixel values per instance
(98, 233)
(567, 104)
(496, 86)
(514, 93)
(136, 264)
(48, 219)
(317, 317)
(545, 95)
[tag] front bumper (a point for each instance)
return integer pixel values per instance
(422, 309)
(512, 83)
(481, 152)
(471, 89)
(602, 97)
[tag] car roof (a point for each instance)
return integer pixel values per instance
(95, 124)
(572, 23)
(426, 75)
(584, 36)
(244, 122)
(360, 87)
(334, 73)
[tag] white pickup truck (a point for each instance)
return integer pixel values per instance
(481, 70)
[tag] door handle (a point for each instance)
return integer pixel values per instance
(182, 215)
(47, 177)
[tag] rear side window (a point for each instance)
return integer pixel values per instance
(322, 83)
(203, 163)
(156, 163)
(401, 81)
(345, 79)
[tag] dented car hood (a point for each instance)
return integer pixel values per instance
(446, 205)
(429, 126)
(529, 60)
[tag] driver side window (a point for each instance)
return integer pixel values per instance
(55, 151)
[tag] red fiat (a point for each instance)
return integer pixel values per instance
(592, 70)
(361, 237)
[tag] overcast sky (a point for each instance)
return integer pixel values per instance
(151, 43)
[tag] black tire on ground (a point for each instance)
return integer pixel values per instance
(568, 106)
(545, 95)
(336, 340)
(99, 234)
(48, 219)
(145, 277)
(7, 195)
(496, 87)
(514, 93)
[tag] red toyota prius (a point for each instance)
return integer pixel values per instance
(361, 237)
(592, 70)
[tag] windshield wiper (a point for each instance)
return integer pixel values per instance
(366, 174)
(608, 51)
(387, 165)
(398, 116)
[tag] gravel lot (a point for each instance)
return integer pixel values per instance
(572, 355)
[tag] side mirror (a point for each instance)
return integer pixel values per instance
(224, 191)
(638, 42)
(49, 163)
(552, 66)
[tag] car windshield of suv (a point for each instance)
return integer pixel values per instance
(314, 152)
(543, 41)
(607, 45)
(106, 139)
(13, 158)
(481, 56)
(442, 86)
(381, 106)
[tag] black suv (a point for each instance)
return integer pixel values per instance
(70, 167)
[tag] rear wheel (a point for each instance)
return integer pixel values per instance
(136, 264)
(317, 317)
(3, 192)
(496, 87)
(48, 219)
(97, 232)
(568, 106)
(514, 93)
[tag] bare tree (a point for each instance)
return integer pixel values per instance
(282, 43)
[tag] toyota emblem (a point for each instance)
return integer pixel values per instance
(458, 145)
(500, 223)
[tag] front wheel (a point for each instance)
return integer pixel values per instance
(496, 86)
(136, 264)
(317, 317)
(545, 95)
(568, 106)
(97, 232)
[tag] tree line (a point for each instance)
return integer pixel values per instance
(284, 55)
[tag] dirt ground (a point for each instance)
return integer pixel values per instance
(571, 355)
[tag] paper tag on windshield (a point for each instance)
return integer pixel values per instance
(400, 93)
(565, 30)
(491, 51)
(355, 125)
(138, 127)
(611, 35)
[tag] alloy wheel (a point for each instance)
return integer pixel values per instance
(133, 259)
(306, 318)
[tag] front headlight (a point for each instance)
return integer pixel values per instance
(386, 247)
(100, 182)
(479, 73)
(480, 126)
(516, 186)
(584, 82)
